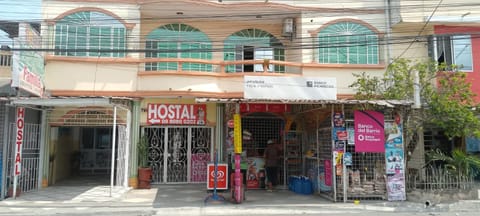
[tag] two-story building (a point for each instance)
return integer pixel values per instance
(173, 71)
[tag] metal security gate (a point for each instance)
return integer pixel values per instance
(179, 154)
(28, 179)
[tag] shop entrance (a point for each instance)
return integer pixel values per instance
(258, 129)
(85, 152)
(179, 154)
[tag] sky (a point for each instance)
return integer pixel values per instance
(16, 10)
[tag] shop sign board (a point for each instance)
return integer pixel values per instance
(290, 88)
(222, 176)
(28, 66)
(176, 114)
(19, 140)
(369, 131)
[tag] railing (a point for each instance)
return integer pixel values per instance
(433, 178)
(5, 59)
(215, 66)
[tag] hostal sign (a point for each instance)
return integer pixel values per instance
(176, 114)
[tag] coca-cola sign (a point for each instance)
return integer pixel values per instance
(176, 114)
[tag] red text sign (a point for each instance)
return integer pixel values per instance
(222, 176)
(19, 139)
(177, 114)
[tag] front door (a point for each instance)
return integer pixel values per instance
(179, 154)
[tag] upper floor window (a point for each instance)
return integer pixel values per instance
(348, 43)
(90, 33)
(455, 50)
(178, 41)
(253, 44)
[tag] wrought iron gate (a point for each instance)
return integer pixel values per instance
(28, 179)
(179, 154)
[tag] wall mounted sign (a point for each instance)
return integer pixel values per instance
(369, 131)
(176, 114)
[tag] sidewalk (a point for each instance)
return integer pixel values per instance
(191, 198)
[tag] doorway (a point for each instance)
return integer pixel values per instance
(179, 154)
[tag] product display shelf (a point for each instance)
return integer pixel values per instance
(293, 153)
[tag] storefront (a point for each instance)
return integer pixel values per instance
(345, 156)
(73, 138)
(181, 136)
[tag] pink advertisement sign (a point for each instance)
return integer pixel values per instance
(328, 172)
(369, 131)
(199, 167)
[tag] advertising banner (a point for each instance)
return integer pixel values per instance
(27, 65)
(199, 166)
(290, 88)
(222, 176)
(176, 114)
(395, 160)
(369, 131)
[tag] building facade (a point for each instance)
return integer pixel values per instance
(116, 70)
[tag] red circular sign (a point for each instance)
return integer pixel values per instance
(230, 123)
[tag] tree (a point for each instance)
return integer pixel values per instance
(446, 96)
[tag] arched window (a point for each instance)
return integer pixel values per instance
(178, 41)
(89, 33)
(348, 43)
(253, 44)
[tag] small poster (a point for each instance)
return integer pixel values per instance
(328, 172)
(396, 187)
(351, 136)
(347, 158)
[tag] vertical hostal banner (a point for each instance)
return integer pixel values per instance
(18, 146)
(369, 131)
(394, 160)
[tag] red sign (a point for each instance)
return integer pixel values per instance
(230, 123)
(176, 114)
(19, 140)
(222, 176)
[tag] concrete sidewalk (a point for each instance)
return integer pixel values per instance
(169, 199)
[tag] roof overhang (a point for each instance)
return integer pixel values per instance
(386, 103)
(61, 102)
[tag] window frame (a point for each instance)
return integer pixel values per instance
(349, 39)
(68, 41)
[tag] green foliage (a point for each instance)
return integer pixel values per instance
(142, 151)
(446, 96)
(459, 163)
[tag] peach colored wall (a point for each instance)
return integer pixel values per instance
(90, 76)
(419, 11)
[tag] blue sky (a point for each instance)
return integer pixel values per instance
(28, 10)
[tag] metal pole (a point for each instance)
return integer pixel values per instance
(43, 149)
(113, 147)
(6, 133)
(127, 147)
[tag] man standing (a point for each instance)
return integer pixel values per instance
(271, 164)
